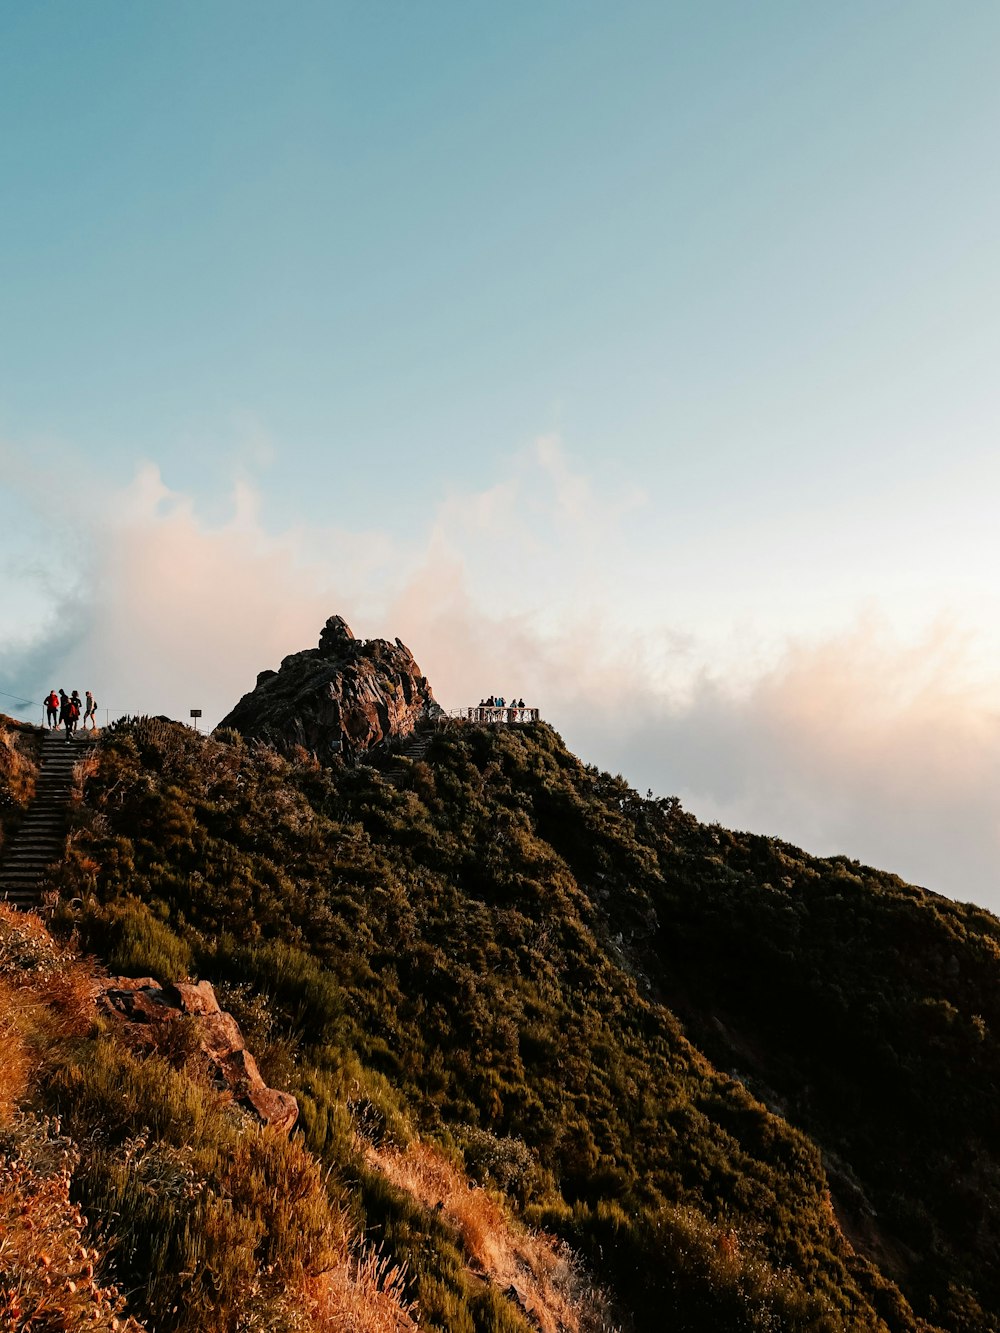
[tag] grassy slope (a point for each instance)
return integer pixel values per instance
(498, 954)
(19, 747)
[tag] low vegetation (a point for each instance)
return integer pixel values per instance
(495, 952)
(19, 746)
(566, 1059)
(134, 1196)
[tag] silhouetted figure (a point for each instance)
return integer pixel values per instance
(75, 709)
(91, 712)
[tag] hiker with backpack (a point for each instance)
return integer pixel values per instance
(72, 714)
(91, 712)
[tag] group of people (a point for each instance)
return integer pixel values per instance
(65, 710)
(498, 709)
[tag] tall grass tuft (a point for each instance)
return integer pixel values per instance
(538, 1273)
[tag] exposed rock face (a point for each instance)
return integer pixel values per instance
(142, 1006)
(339, 698)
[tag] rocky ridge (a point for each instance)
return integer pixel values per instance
(340, 698)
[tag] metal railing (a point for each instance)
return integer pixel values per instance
(493, 715)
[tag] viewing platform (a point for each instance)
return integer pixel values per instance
(494, 715)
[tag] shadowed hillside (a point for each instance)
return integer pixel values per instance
(749, 1087)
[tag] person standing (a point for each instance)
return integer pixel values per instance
(52, 709)
(75, 708)
(91, 712)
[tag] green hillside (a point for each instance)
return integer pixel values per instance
(753, 1089)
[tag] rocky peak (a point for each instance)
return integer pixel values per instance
(336, 635)
(340, 698)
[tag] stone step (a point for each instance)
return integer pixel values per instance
(39, 840)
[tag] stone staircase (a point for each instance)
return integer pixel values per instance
(415, 748)
(39, 840)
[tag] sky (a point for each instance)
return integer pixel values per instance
(637, 358)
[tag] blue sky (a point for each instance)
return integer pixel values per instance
(499, 322)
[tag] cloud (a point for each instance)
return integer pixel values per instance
(859, 742)
(885, 751)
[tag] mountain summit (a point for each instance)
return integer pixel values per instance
(340, 698)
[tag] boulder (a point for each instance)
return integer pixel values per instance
(144, 1010)
(338, 699)
(192, 997)
(277, 1110)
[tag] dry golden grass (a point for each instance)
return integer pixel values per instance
(83, 769)
(15, 1063)
(49, 1268)
(540, 1272)
(18, 770)
(45, 993)
(366, 1295)
(49, 1278)
(54, 987)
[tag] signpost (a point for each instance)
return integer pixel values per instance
(196, 714)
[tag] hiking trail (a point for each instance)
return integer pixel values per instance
(39, 839)
(415, 748)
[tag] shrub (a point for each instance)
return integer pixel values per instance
(213, 1219)
(50, 1272)
(132, 941)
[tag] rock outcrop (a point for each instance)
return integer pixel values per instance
(339, 698)
(142, 1010)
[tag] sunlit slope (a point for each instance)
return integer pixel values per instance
(508, 943)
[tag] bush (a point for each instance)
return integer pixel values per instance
(132, 941)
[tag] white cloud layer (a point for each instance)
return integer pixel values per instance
(859, 743)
